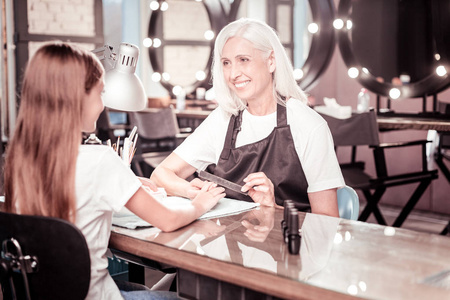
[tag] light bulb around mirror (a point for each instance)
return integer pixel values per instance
(437, 56)
(147, 42)
(156, 77)
(338, 24)
(166, 76)
(349, 24)
(200, 75)
(177, 90)
(441, 71)
(156, 43)
(353, 72)
(154, 5)
(298, 74)
(394, 93)
(209, 35)
(164, 6)
(313, 28)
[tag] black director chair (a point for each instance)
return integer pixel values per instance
(439, 156)
(362, 129)
(42, 258)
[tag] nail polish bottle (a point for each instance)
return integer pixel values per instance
(293, 234)
(285, 223)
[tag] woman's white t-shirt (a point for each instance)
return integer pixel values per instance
(103, 186)
(312, 139)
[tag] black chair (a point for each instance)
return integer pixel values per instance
(158, 135)
(362, 129)
(42, 258)
(440, 156)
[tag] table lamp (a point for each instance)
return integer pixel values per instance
(123, 89)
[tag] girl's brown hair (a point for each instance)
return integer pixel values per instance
(42, 154)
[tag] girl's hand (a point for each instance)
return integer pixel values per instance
(260, 189)
(146, 182)
(208, 196)
(194, 187)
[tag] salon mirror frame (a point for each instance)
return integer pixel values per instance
(322, 44)
(221, 12)
(429, 85)
(218, 18)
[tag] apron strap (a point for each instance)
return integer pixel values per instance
(230, 140)
(281, 115)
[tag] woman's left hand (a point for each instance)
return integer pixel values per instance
(260, 189)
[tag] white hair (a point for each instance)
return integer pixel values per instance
(265, 39)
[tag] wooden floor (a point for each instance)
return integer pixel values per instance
(418, 220)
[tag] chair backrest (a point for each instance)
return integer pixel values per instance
(359, 129)
(153, 123)
(52, 254)
(111, 124)
(348, 203)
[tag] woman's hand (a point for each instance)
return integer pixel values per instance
(260, 189)
(208, 196)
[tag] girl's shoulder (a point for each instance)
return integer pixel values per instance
(94, 149)
(96, 153)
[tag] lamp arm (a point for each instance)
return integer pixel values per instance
(107, 56)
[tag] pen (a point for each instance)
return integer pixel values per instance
(133, 132)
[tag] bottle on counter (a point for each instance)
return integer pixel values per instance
(181, 100)
(363, 101)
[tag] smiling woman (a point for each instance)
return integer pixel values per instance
(263, 135)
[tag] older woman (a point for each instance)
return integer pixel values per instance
(263, 135)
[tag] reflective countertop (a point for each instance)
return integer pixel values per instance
(349, 257)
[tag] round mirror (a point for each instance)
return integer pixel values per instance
(181, 37)
(392, 47)
(318, 41)
(181, 55)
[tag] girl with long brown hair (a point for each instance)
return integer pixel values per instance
(49, 173)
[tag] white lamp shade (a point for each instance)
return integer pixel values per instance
(123, 89)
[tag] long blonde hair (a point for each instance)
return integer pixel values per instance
(41, 157)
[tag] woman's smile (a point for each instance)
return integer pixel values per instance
(241, 84)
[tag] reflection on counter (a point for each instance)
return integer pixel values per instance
(318, 236)
(345, 257)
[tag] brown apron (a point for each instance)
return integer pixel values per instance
(275, 156)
